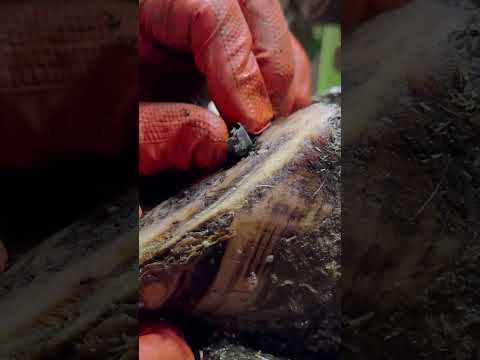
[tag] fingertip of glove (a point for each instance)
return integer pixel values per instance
(260, 130)
(162, 341)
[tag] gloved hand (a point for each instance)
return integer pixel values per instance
(57, 64)
(159, 341)
(253, 66)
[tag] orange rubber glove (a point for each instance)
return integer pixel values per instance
(356, 12)
(159, 341)
(253, 67)
(56, 65)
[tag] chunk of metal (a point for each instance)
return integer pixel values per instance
(240, 143)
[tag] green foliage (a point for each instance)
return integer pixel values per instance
(328, 38)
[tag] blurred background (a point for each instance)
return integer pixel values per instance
(315, 23)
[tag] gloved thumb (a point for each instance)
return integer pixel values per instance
(180, 136)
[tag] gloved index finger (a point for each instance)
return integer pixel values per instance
(272, 49)
(218, 36)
